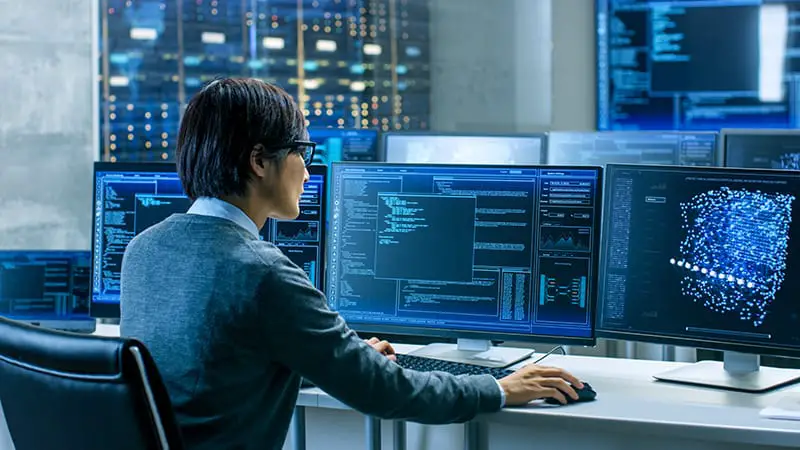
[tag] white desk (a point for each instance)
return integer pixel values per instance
(632, 411)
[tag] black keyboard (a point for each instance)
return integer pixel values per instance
(429, 365)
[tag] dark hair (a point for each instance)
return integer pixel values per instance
(222, 125)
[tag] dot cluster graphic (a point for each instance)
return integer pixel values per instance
(733, 256)
(790, 161)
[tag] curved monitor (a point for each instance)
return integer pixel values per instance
(491, 252)
(451, 148)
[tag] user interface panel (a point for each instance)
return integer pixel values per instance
(131, 197)
(451, 249)
(632, 147)
(344, 144)
(697, 65)
(37, 286)
(703, 255)
(463, 149)
(762, 149)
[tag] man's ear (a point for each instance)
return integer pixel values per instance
(257, 162)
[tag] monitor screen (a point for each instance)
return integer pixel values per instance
(762, 149)
(491, 252)
(130, 197)
(344, 144)
(303, 239)
(704, 257)
(696, 65)
(632, 147)
(463, 149)
(49, 288)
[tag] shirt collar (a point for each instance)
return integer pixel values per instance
(214, 207)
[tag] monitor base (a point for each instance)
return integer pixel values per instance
(738, 372)
(477, 352)
(105, 321)
(72, 326)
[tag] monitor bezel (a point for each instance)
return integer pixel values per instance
(718, 155)
(722, 141)
(378, 137)
(541, 136)
(402, 330)
(661, 338)
(79, 324)
(112, 311)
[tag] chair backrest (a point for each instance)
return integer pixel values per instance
(62, 390)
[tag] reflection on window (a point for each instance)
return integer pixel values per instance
(351, 63)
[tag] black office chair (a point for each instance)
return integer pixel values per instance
(65, 391)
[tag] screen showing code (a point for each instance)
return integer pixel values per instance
(129, 202)
(488, 249)
(45, 285)
(697, 65)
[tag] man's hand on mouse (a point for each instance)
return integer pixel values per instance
(533, 382)
(383, 347)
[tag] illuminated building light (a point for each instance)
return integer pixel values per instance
(372, 49)
(273, 43)
(144, 34)
(211, 37)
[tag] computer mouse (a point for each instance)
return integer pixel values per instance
(586, 394)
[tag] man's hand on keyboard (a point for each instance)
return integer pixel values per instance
(383, 347)
(533, 382)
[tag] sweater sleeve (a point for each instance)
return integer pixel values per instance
(309, 338)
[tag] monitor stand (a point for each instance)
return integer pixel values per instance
(474, 351)
(738, 372)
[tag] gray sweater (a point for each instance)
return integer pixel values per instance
(233, 324)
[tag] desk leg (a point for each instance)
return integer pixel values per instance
(472, 435)
(373, 429)
(299, 428)
(399, 435)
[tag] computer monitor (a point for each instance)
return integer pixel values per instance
(303, 240)
(761, 149)
(49, 288)
(632, 147)
(344, 144)
(695, 65)
(704, 257)
(476, 253)
(130, 197)
(449, 148)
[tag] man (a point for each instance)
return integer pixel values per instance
(233, 324)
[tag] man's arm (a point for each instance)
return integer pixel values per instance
(306, 336)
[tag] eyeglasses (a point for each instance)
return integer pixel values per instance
(304, 148)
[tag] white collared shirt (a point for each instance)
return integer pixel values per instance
(214, 207)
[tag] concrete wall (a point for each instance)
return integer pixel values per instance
(490, 65)
(46, 123)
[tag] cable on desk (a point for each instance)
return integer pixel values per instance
(552, 350)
